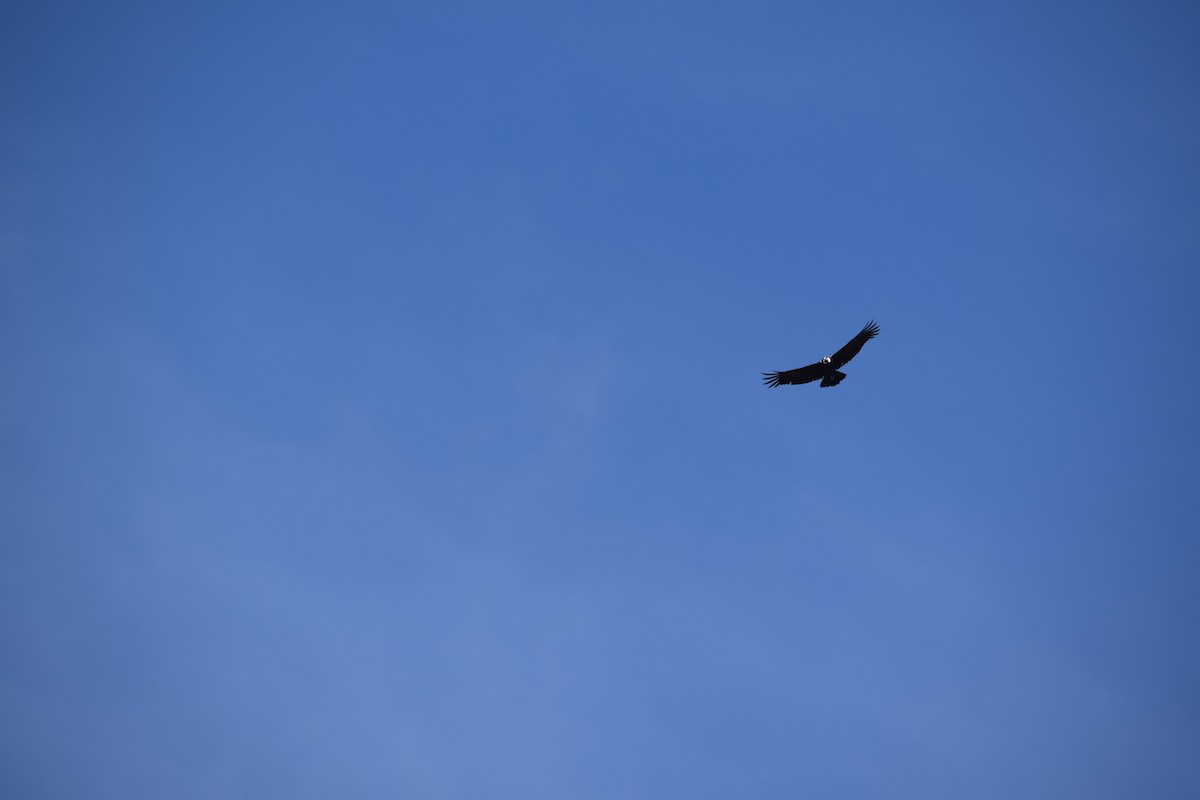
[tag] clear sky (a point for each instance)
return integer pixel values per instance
(381, 412)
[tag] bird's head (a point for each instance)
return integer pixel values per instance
(827, 360)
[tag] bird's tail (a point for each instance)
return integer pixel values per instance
(832, 379)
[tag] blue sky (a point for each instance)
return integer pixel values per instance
(382, 412)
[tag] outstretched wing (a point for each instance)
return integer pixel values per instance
(812, 372)
(839, 359)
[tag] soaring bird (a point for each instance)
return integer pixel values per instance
(827, 368)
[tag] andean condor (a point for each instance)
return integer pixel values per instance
(827, 368)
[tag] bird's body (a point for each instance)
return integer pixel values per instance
(825, 370)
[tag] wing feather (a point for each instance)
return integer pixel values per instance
(812, 372)
(851, 348)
